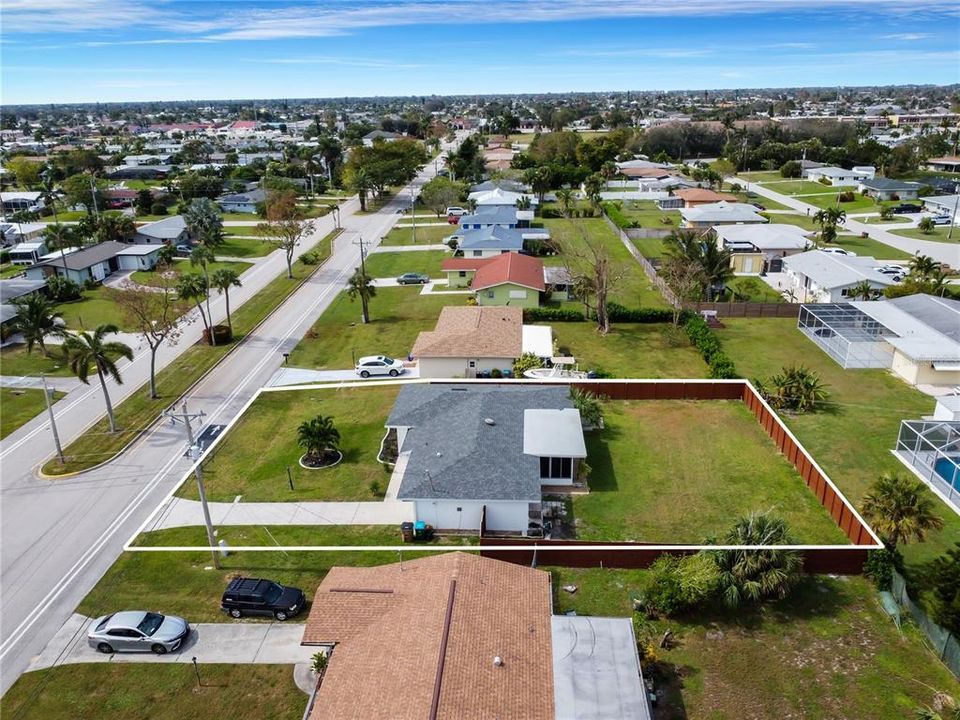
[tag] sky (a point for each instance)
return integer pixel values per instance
(114, 50)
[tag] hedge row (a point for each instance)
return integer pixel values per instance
(548, 314)
(618, 313)
(618, 218)
(702, 337)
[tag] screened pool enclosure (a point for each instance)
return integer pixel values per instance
(932, 449)
(847, 334)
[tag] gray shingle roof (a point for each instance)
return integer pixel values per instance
(942, 314)
(166, 229)
(492, 237)
(455, 454)
(86, 257)
(887, 184)
(14, 288)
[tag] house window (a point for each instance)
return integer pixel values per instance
(462, 273)
(490, 293)
(477, 253)
(556, 468)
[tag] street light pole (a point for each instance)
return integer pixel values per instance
(53, 420)
(195, 453)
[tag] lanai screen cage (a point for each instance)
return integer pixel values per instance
(932, 448)
(848, 335)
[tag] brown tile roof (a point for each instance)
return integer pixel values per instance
(510, 268)
(644, 172)
(475, 332)
(417, 640)
(464, 263)
(703, 195)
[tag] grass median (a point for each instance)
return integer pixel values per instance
(139, 411)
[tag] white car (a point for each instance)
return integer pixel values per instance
(378, 365)
(941, 219)
(837, 251)
(895, 269)
(456, 212)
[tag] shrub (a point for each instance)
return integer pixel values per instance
(90, 284)
(590, 406)
(310, 258)
(847, 196)
(619, 313)
(375, 488)
(790, 169)
(944, 578)
(527, 361)
(617, 216)
(676, 584)
(158, 208)
(453, 244)
(496, 373)
(4, 256)
(794, 388)
(702, 337)
(62, 289)
(548, 314)
(880, 566)
(823, 181)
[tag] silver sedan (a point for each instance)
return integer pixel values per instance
(137, 631)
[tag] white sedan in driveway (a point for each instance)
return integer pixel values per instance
(378, 365)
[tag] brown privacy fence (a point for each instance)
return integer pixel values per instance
(747, 309)
(827, 559)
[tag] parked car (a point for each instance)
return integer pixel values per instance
(413, 279)
(137, 631)
(941, 219)
(453, 219)
(378, 365)
(455, 211)
(837, 251)
(894, 275)
(184, 248)
(907, 208)
(255, 596)
(899, 269)
(758, 206)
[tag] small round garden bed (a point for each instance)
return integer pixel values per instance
(327, 460)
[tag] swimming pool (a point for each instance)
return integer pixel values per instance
(947, 469)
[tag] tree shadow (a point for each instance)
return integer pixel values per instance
(669, 681)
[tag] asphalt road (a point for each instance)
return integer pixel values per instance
(57, 538)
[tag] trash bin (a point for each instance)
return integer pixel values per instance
(406, 530)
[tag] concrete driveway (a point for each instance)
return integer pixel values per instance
(241, 641)
(302, 376)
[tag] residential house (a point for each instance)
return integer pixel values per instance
(721, 213)
(154, 159)
(499, 196)
(139, 257)
(28, 253)
(819, 277)
(90, 263)
(383, 135)
(11, 289)
(917, 337)
(488, 241)
(471, 341)
(242, 202)
(886, 189)
(950, 163)
(760, 249)
(14, 233)
(499, 215)
(502, 184)
(456, 636)
(807, 165)
(482, 454)
(838, 176)
(695, 197)
(139, 172)
(945, 204)
(507, 279)
(170, 231)
(13, 201)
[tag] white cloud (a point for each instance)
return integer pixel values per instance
(906, 37)
(339, 61)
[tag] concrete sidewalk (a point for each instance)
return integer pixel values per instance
(180, 512)
(236, 642)
(408, 248)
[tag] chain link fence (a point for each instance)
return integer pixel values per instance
(944, 642)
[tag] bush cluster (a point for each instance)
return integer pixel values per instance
(617, 216)
(548, 314)
(619, 313)
(702, 337)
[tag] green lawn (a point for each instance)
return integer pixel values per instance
(852, 439)
(93, 310)
(651, 248)
(245, 247)
(15, 360)
(634, 289)
(138, 411)
(9, 270)
(761, 292)
(251, 217)
(869, 246)
(427, 235)
(761, 176)
(182, 265)
(804, 221)
(628, 350)
(253, 459)
(159, 691)
(19, 406)
(242, 230)
(939, 234)
(397, 315)
(646, 214)
(877, 220)
(392, 264)
(859, 204)
(827, 651)
(680, 471)
(180, 583)
(765, 201)
(801, 187)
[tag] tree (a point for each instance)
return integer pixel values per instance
(114, 227)
(360, 285)
(943, 577)
(204, 222)
(319, 439)
(27, 172)
(702, 249)
(828, 220)
(223, 279)
(156, 313)
(685, 279)
(863, 290)
(82, 189)
(924, 266)
(144, 201)
(795, 388)
(593, 272)
(196, 186)
(539, 179)
(36, 320)
(527, 361)
(926, 226)
(755, 575)
(194, 288)
(566, 199)
(440, 193)
(203, 256)
(900, 509)
(387, 163)
(285, 226)
(358, 180)
(91, 351)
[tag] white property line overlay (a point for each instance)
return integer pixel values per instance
(130, 547)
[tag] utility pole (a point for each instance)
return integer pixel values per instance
(413, 213)
(953, 217)
(53, 421)
(195, 453)
(93, 198)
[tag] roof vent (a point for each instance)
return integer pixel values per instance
(498, 661)
(489, 421)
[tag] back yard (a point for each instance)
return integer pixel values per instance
(676, 471)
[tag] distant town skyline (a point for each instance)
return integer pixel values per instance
(56, 51)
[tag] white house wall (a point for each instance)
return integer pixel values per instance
(458, 367)
(465, 515)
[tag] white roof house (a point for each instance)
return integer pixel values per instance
(840, 176)
(774, 236)
(537, 339)
(551, 432)
(817, 276)
(499, 196)
(720, 213)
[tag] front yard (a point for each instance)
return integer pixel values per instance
(15, 360)
(426, 235)
(393, 264)
(183, 266)
(252, 460)
(939, 234)
(827, 651)
(92, 310)
(20, 405)
(674, 471)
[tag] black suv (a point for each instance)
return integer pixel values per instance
(907, 208)
(250, 596)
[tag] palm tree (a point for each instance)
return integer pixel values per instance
(795, 388)
(926, 226)
(223, 279)
(828, 220)
(702, 250)
(924, 266)
(753, 575)
(359, 181)
(88, 351)
(900, 509)
(319, 438)
(361, 286)
(524, 202)
(36, 319)
(194, 288)
(566, 200)
(204, 222)
(863, 290)
(202, 255)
